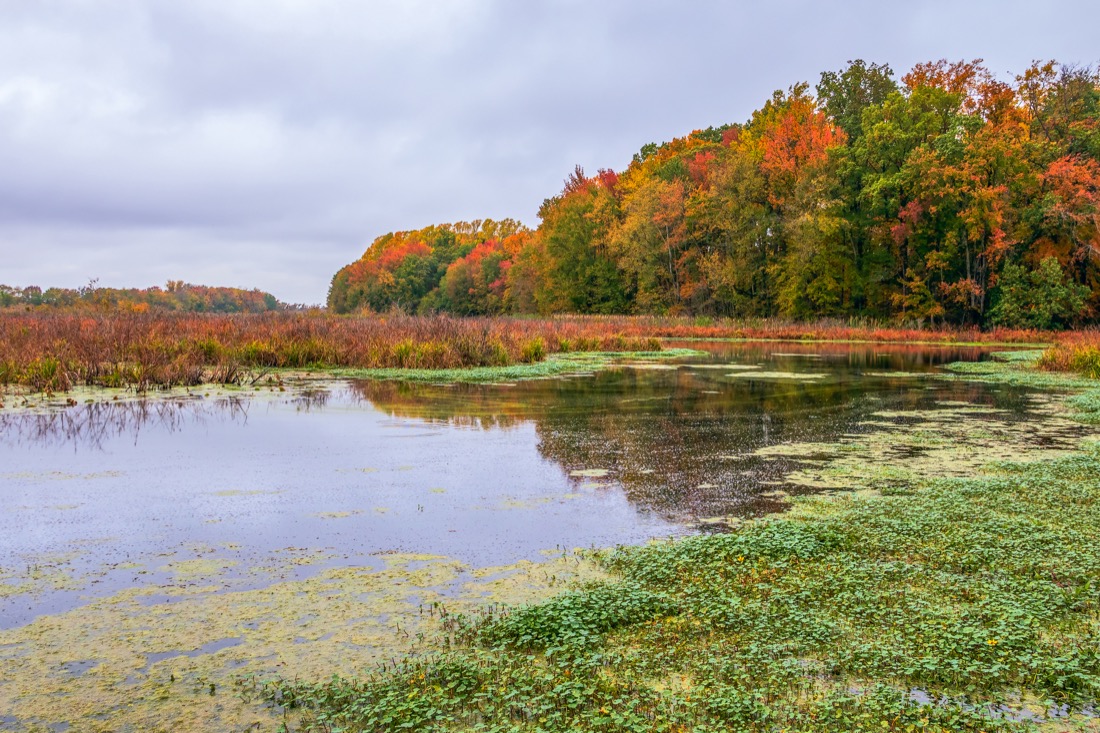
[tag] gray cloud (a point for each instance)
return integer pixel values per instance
(266, 142)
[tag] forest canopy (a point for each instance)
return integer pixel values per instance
(176, 295)
(948, 196)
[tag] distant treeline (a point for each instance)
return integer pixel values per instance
(175, 296)
(950, 197)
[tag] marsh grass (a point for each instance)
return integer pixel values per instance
(50, 352)
(1023, 369)
(855, 330)
(53, 352)
(953, 604)
(1077, 352)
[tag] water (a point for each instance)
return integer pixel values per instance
(99, 497)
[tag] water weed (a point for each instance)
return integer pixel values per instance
(966, 602)
(553, 366)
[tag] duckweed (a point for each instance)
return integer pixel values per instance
(795, 376)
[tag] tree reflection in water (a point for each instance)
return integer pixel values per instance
(680, 441)
(92, 425)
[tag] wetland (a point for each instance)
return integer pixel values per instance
(209, 559)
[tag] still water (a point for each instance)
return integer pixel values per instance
(108, 495)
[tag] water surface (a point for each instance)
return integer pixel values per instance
(166, 491)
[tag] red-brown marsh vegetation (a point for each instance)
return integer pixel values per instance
(53, 352)
(764, 329)
(1077, 351)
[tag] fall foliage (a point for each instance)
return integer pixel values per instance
(904, 201)
(175, 296)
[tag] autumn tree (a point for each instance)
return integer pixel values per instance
(581, 276)
(920, 201)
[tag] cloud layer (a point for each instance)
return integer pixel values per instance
(264, 143)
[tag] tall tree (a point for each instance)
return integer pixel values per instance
(581, 276)
(845, 94)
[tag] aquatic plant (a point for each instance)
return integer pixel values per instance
(552, 366)
(778, 329)
(53, 352)
(1077, 352)
(967, 603)
(979, 593)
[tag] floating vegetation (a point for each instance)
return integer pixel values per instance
(555, 365)
(963, 599)
(247, 492)
(338, 515)
(43, 573)
(9, 588)
(1019, 373)
(794, 376)
(357, 470)
(204, 568)
(193, 658)
(522, 503)
(1086, 407)
(60, 476)
(914, 445)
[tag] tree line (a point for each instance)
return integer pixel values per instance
(948, 197)
(176, 296)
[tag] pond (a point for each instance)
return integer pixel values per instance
(176, 537)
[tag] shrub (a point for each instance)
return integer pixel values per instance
(1042, 298)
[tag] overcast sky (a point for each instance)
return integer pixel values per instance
(265, 143)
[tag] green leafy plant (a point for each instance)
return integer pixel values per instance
(1042, 298)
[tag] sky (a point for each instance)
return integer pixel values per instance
(265, 143)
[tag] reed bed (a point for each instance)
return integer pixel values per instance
(54, 352)
(753, 329)
(49, 352)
